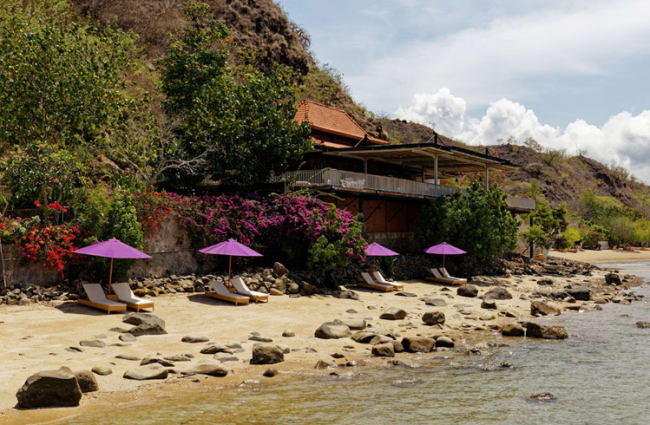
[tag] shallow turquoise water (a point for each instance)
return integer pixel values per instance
(600, 375)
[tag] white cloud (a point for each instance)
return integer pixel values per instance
(482, 63)
(623, 140)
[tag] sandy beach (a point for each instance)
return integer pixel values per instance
(603, 256)
(35, 338)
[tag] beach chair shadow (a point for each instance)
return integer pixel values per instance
(72, 307)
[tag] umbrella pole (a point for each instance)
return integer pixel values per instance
(110, 277)
(443, 261)
(229, 269)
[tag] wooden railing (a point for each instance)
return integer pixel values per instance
(363, 182)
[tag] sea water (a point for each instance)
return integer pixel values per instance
(600, 375)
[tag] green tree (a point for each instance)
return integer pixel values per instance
(547, 224)
(237, 126)
(476, 220)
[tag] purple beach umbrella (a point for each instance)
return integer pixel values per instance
(230, 247)
(112, 248)
(377, 250)
(444, 249)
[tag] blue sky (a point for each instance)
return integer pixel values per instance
(574, 74)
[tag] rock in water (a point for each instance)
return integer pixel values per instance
(434, 318)
(542, 397)
(418, 344)
(87, 381)
(332, 330)
(267, 354)
(383, 350)
(539, 308)
(581, 293)
(643, 325)
(535, 330)
(612, 279)
(145, 324)
(513, 329)
(467, 290)
(393, 314)
(53, 388)
(147, 372)
(497, 293)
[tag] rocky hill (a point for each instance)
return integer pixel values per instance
(263, 27)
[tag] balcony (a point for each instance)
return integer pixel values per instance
(349, 181)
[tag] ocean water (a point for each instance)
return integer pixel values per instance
(600, 375)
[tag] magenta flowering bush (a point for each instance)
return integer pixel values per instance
(295, 229)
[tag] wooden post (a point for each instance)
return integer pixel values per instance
(487, 177)
(435, 170)
(229, 269)
(110, 277)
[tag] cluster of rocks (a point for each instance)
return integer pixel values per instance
(56, 388)
(28, 294)
(521, 265)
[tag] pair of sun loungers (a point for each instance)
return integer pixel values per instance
(243, 295)
(377, 282)
(441, 275)
(124, 298)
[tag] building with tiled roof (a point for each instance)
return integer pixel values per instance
(334, 128)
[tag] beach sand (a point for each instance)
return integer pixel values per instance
(34, 338)
(603, 256)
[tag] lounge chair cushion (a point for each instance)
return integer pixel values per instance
(125, 294)
(220, 289)
(242, 288)
(96, 294)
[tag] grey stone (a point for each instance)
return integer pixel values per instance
(152, 360)
(210, 369)
(146, 373)
(259, 339)
(288, 334)
(539, 308)
(363, 337)
(87, 381)
(216, 348)
(534, 330)
(444, 341)
(512, 329)
(127, 357)
(405, 294)
(433, 318)
(102, 371)
(497, 293)
(612, 279)
(194, 339)
(467, 290)
(53, 388)
(266, 354)
(383, 350)
(279, 270)
(93, 343)
(436, 302)
(489, 304)
(580, 293)
(332, 330)
(393, 314)
(321, 365)
(354, 324)
(270, 373)
(179, 358)
(127, 338)
(145, 324)
(418, 344)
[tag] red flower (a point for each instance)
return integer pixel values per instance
(37, 203)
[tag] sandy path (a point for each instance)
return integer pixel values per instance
(604, 256)
(34, 338)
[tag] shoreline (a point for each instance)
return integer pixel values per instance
(602, 256)
(194, 315)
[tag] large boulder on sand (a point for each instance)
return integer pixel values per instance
(539, 308)
(418, 344)
(147, 372)
(383, 350)
(513, 329)
(332, 330)
(267, 354)
(612, 279)
(145, 324)
(207, 368)
(497, 293)
(467, 290)
(580, 293)
(52, 388)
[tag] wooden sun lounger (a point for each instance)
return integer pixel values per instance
(97, 299)
(242, 289)
(379, 278)
(125, 295)
(368, 282)
(220, 292)
(446, 274)
(437, 277)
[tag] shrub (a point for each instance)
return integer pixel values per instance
(476, 220)
(51, 246)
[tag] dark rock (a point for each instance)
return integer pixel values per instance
(87, 381)
(216, 348)
(93, 343)
(444, 341)
(321, 365)
(102, 371)
(534, 330)
(270, 373)
(643, 325)
(228, 359)
(393, 314)
(497, 293)
(194, 339)
(513, 329)
(436, 302)
(348, 294)
(332, 330)
(146, 373)
(288, 334)
(127, 338)
(398, 347)
(210, 369)
(53, 388)
(279, 270)
(383, 350)
(433, 318)
(119, 330)
(127, 357)
(145, 324)
(612, 279)
(266, 354)
(405, 294)
(542, 397)
(545, 282)
(351, 311)
(539, 308)
(363, 337)
(179, 358)
(581, 293)
(418, 344)
(74, 349)
(152, 360)
(489, 304)
(467, 290)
